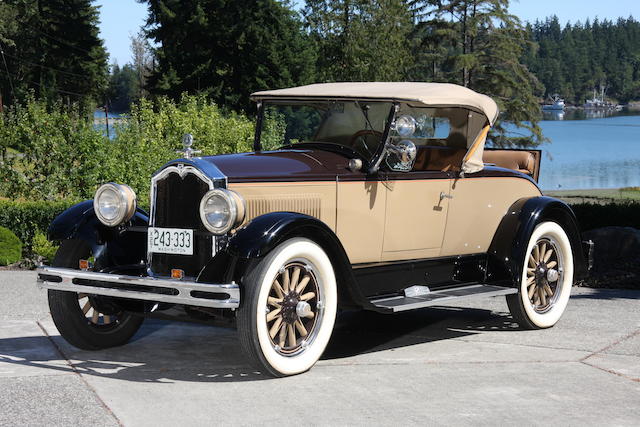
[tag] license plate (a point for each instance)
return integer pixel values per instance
(170, 241)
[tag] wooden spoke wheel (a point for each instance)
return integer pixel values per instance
(287, 314)
(292, 308)
(93, 315)
(544, 272)
(547, 278)
(86, 321)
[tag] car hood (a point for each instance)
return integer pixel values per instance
(281, 165)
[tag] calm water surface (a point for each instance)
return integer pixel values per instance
(587, 151)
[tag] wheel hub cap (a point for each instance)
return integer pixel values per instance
(293, 309)
(543, 273)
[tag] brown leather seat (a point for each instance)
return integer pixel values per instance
(519, 160)
(433, 158)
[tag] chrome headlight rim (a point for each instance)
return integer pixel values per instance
(127, 203)
(235, 203)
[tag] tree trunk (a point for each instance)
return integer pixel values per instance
(465, 71)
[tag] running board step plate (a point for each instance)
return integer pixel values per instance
(402, 303)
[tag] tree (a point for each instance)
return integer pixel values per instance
(360, 40)
(227, 49)
(55, 51)
(142, 62)
(481, 46)
(123, 87)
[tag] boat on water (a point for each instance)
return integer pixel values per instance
(557, 104)
(599, 103)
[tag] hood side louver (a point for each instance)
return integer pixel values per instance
(308, 204)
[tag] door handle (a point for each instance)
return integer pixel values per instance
(444, 195)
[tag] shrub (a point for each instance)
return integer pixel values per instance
(153, 132)
(53, 153)
(43, 248)
(622, 214)
(50, 152)
(10, 247)
(26, 218)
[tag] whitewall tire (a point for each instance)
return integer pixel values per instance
(547, 278)
(288, 308)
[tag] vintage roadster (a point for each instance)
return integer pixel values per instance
(378, 196)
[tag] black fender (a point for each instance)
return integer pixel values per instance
(509, 245)
(111, 246)
(264, 233)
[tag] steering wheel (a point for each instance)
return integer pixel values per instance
(358, 135)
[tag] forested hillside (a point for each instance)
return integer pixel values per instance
(575, 59)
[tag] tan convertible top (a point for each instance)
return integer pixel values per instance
(416, 93)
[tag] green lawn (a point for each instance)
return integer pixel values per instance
(597, 195)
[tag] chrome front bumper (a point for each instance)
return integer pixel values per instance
(140, 288)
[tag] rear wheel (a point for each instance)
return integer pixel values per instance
(289, 308)
(87, 321)
(547, 278)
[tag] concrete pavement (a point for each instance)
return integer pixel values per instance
(462, 365)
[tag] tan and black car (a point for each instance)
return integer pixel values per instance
(376, 196)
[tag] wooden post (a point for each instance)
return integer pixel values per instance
(106, 118)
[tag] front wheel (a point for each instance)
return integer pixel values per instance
(289, 308)
(87, 321)
(547, 278)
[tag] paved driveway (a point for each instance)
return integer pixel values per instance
(467, 364)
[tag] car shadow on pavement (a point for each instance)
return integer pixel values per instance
(608, 294)
(363, 332)
(167, 352)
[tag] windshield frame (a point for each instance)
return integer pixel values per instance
(375, 158)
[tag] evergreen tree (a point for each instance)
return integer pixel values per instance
(123, 87)
(361, 40)
(227, 49)
(478, 44)
(56, 51)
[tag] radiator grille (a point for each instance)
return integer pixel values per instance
(308, 204)
(177, 206)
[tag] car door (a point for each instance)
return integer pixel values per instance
(417, 203)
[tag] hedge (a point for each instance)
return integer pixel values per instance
(26, 218)
(621, 214)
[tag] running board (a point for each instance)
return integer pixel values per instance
(402, 303)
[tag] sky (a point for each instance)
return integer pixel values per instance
(122, 18)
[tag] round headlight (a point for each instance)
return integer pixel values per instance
(221, 210)
(405, 125)
(114, 204)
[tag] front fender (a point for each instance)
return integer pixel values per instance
(264, 233)
(110, 245)
(509, 245)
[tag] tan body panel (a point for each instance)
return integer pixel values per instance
(317, 199)
(360, 219)
(476, 209)
(397, 219)
(416, 218)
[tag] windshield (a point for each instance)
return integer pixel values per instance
(356, 125)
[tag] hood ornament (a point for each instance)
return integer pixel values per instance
(187, 151)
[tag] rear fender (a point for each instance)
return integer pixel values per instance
(509, 245)
(110, 245)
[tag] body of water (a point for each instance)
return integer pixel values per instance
(590, 150)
